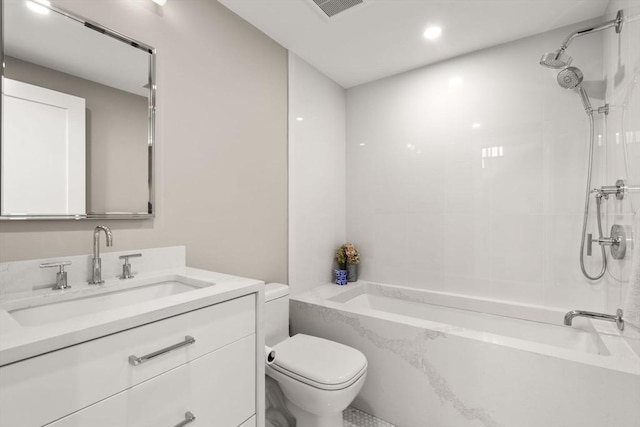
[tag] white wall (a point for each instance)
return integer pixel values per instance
(493, 211)
(221, 144)
(317, 202)
(622, 68)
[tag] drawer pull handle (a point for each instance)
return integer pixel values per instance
(135, 361)
(188, 419)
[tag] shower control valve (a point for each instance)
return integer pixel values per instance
(617, 242)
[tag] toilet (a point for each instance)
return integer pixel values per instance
(319, 378)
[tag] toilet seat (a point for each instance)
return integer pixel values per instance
(320, 363)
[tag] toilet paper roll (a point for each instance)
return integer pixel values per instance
(270, 355)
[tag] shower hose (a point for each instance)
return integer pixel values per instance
(587, 199)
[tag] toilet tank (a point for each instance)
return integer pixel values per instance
(276, 313)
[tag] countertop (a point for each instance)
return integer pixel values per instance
(18, 342)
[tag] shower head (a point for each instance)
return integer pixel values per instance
(571, 78)
(557, 59)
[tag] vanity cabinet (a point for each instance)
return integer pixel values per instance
(217, 389)
(97, 383)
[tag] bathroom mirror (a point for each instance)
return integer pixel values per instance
(78, 106)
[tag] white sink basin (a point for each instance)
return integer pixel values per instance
(97, 299)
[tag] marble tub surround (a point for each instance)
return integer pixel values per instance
(27, 276)
(423, 372)
(523, 326)
(21, 342)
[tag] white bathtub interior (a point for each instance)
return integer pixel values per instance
(583, 338)
(525, 326)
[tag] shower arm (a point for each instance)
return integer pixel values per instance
(617, 23)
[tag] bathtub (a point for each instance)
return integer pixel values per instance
(446, 360)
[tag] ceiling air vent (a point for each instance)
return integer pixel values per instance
(333, 7)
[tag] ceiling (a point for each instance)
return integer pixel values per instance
(54, 41)
(379, 38)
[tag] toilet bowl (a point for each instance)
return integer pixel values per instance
(319, 378)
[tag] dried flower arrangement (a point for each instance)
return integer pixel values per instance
(347, 254)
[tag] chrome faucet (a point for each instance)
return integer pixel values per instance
(96, 265)
(568, 318)
(61, 276)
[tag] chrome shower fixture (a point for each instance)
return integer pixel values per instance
(618, 319)
(559, 59)
(571, 78)
(620, 190)
(617, 241)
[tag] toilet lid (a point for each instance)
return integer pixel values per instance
(318, 362)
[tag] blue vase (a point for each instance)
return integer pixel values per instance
(341, 277)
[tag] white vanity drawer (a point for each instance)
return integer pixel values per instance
(70, 379)
(218, 389)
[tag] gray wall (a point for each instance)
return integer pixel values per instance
(221, 144)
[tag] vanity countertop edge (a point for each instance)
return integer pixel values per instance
(19, 342)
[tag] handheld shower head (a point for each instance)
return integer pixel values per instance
(557, 59)
(571, 78)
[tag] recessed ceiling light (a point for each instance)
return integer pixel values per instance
(455, 81)
(362, 144)
(299, 119)
(432, 33)
(159, 2)
(475, 125)
(38, 6)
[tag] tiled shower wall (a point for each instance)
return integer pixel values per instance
(468, 176)
(622, 129)
(316, 174)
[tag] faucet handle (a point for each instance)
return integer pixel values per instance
(61, 264)
(126, 267)
(61, 276)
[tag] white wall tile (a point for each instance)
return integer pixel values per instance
(496, 209)
(622, 136)
(317, 191)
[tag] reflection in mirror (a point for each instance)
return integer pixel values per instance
(78, 111)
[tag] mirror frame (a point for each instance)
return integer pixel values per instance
(91, 25)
